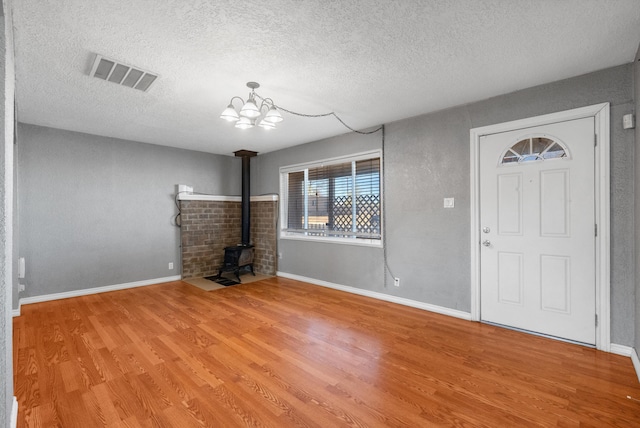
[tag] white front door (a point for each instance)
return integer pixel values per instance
(537, 219)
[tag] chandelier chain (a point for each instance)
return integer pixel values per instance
(334, 114)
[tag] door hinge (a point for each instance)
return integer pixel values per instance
(596, 320)
(596, 230)
(595, 140)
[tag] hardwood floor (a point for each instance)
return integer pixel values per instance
(281, 353)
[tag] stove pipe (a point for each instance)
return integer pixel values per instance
(246, 156)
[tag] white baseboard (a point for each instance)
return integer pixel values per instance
(16, 312)
(14, 413)
(621, 350)
(627, 351)
(636, 363)
(87, 291)
(381, 296)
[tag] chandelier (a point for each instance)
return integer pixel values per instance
(266, 116)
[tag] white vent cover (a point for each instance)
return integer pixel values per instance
(122, 74)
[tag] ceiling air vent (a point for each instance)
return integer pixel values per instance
(122, 74)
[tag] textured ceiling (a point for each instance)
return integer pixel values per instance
(370, 61)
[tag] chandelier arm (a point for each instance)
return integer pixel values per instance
(263, 105)
(320, 115)
(236, 97)
(267, 101)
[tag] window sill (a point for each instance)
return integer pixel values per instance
(376, 243)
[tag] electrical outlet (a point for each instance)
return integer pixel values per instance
(20, 288)
(170, 265)
(279, 255)
(396, 282)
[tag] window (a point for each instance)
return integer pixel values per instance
(534, 149)
(337, 200)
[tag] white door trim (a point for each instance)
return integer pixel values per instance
(602, 199)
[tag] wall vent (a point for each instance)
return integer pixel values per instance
(122, 74)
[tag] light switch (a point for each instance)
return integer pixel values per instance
(628, 122)
(448, 202)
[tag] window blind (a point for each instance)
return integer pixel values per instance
(339, 200)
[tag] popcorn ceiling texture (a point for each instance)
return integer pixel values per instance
(371, 61)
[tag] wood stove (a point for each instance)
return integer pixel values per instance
(240, 257)
(236, 259)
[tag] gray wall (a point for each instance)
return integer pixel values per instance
(98, 211)
(636, 85)
(427, 159)
(6, 214)
(340, 264)
(16, 247)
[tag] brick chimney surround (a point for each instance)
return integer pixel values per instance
(210, 223)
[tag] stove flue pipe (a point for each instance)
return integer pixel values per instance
(246, 156)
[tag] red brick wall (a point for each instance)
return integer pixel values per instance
(209, 226)
(263, 236)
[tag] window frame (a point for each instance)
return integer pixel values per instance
(555, 140)
(284, 200)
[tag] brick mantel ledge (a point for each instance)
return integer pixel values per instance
(219, 198)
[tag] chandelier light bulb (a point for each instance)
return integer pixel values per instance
(273, 115)
(230, 114)
(244, 123)
(250, 109)
(266, 125)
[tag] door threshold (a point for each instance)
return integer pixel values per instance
(535, 333)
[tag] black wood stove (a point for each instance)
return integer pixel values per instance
(240, 257)
(236, 259)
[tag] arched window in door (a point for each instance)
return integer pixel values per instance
(534, 149)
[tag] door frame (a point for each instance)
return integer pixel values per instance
(600, 112)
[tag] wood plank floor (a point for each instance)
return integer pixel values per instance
(282, 353)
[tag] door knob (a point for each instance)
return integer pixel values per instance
(486, 229)
(486, 243)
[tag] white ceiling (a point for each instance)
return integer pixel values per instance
(370, 61)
